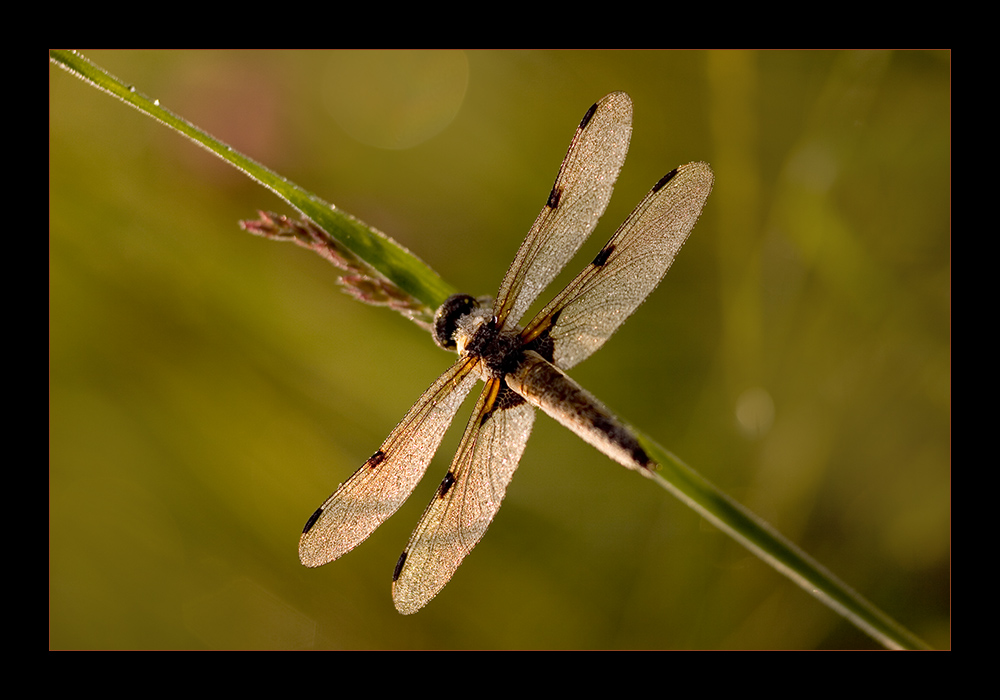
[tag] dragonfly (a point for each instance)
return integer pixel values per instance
(523, 368)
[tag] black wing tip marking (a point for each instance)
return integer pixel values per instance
(664, 180)
(373, 461)
(603, 256)
(446, 484)
(399, 567)
(554, 196)
(588, 116)
(312, 520)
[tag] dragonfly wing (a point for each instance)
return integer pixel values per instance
(579, 196)
(467, 499)
(627, 269)
(379, 487)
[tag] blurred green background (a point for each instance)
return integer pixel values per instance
(209, 389)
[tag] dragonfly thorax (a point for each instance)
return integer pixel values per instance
(499, 349)
(467, 325)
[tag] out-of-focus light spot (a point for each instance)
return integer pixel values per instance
(755, 412)
(814, 166)
(395, 99)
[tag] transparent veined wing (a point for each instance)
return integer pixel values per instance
(592, 307)
(467, 498)
(383, 483)
(577, 200)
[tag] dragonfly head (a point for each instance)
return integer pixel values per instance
(457, 320)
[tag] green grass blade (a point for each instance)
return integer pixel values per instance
(768, 544)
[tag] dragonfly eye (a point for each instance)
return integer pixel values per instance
(446, 318)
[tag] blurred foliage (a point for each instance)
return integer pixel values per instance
(208, 389)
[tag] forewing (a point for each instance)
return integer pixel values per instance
(379, 487)
(467, 499)
(578, 198)
(627, 269)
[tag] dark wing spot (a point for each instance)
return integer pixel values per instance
(487, 415)
(399, 567)
(603, 256)
(543, 343)
(375, 460)
(446, 484)
(588, 116)
(664, 180)
(554, 196)
(506, 398)
(312, 520)
(554, 318)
